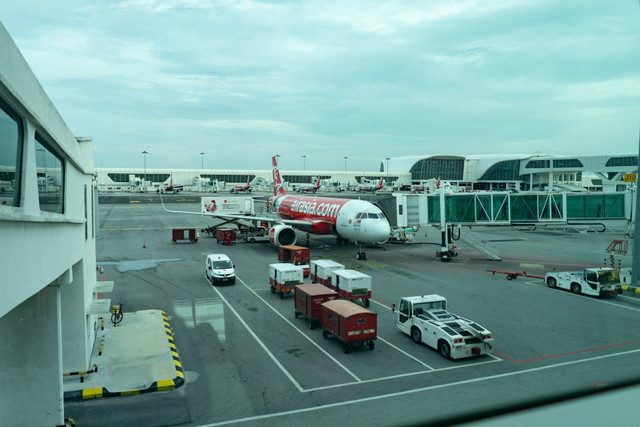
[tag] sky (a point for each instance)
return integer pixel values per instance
(243, 80)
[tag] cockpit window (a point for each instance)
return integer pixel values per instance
(373, 215)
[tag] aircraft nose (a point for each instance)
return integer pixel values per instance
(380, 231)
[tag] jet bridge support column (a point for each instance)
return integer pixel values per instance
(445, 253)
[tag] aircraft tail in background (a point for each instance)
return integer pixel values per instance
(278, 189)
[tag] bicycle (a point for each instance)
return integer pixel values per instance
(117, 314)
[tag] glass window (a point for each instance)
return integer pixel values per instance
(50, 170)
(622, 161)
(508, 170)
(404, 307)
(567, 163)
(10, 156)
(446, 167)
(538, 164)
(373, 215)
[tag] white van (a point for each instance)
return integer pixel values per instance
(219, 269)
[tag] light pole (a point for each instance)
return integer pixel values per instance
(345, 163)
(144, 156)
(202, 162)
(387, 159)
(304, 158)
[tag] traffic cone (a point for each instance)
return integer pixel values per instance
(144, 245)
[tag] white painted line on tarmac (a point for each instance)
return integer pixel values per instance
(416, 390)
(392, 377)
(405, 353)
(301, 333)
(264, 347)
(629, 298)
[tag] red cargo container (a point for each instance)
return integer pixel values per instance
(184, 234)
(350, 323)
(296, 255)
(225, 234)
(309, 299)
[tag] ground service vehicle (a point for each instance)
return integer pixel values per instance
(309, 299)
(351, 285)
(591, 281)
(284, 277)
(427, 320)
(296, 255)
(233, 205)
(321, 270)
(219, 269)
(350, 323)
(184, 234)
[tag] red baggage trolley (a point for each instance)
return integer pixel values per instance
(224, 235)
(296, 255)
(309, 299)
(350, 323)
(184, 234)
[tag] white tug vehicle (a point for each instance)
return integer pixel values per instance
(590, 281)
(427, 320)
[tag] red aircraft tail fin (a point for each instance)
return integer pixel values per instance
(381, 183)
(278, 189)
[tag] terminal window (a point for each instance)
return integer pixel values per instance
(10, 156)
(50, 171)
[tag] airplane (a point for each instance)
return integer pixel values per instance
(370, 187)
(309, 187)
(242, 187)
(347, 219)
(171, 187)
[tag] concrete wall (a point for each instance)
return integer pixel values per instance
(31, 360)
(47, 260)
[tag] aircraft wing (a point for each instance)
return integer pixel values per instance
(276, 220)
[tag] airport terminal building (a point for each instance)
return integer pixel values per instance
(500, 172)
(518, 172)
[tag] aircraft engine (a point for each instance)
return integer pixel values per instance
(282, 235)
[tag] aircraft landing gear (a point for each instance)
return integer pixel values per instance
(360, 254)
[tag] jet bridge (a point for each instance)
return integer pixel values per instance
(530, 209)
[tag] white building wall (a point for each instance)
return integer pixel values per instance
(31, 359)
(44, 256)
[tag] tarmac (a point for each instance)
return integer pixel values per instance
(136, 356)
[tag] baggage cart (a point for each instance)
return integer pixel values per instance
(184, 234)
(296, 255)
(351, 285)
(321, 270)
(350, 323)
(224, 235)
(284, 277)
(309, 299)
